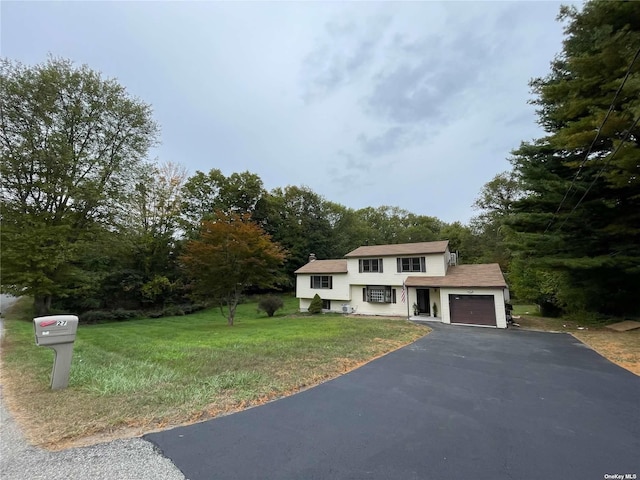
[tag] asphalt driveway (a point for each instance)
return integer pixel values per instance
(460, 403)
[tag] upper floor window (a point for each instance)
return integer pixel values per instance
(321, 281)
(412, 264)
(370, 265)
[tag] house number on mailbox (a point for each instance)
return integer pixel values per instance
(61, 323)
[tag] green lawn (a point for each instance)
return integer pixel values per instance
(525, 309)
(148, 373)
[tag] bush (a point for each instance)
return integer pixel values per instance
(122, 314)
(188, 308)
(316, 305)
(173, 311)
(94, 316)
(98, 316)
(270, 304)
(590, 318)
(549, 309)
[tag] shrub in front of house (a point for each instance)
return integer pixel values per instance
(316, 305)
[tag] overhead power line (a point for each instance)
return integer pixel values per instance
(606, 164)
(595, 139)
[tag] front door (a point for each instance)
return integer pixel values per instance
(423, 301)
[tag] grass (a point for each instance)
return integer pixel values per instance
(136, 376)
(526, 310)
(622, 348)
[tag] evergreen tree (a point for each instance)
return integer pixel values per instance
(315, 306)
(579, 217)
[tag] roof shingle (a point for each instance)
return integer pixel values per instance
(324, 266)
(483, 275)
(400, 249)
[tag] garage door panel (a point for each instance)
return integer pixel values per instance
(473, 309)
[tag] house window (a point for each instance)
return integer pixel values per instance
(379, 294)
(412, 264)
(321, 281)
(326, 304)
(370, 265)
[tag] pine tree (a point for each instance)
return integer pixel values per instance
(579, 218)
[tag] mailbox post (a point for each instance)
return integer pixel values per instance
(57, 332)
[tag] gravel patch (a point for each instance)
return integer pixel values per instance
(131, 459)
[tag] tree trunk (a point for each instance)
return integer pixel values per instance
(42, 305)
(232, 313)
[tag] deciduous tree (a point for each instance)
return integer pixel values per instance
(231, 254)
(298, 219)
(205, 193)
(495, 203)
(71, 145)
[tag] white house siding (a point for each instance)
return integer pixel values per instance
(372, 308)
(498, 298)
(338, 295)
(444, 259)
(436, 266)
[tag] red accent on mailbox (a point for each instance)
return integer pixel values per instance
(46, 323)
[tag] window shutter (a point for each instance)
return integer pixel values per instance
(380, 263)
(360, 265)
(330, 282)
(399, 261)
(393, 295)
(364, 294)
(311, 278)
(423, 264)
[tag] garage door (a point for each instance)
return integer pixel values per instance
(472, 309)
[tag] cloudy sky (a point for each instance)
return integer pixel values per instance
(409, 104)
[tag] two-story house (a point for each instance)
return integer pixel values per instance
(407, 279)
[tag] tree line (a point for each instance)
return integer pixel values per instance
(89, 223)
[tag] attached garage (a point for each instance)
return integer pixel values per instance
(467, 294)
(473, 309)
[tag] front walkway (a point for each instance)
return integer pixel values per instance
(425, 318)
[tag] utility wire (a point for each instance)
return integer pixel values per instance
(606, 164)
(586, 157)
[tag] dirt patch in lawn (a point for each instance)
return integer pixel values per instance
(621, 348)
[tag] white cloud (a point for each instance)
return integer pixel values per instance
(414, 104)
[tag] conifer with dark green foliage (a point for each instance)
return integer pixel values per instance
(316, 305)
(578, 222)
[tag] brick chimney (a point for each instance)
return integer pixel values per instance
(312, 257)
